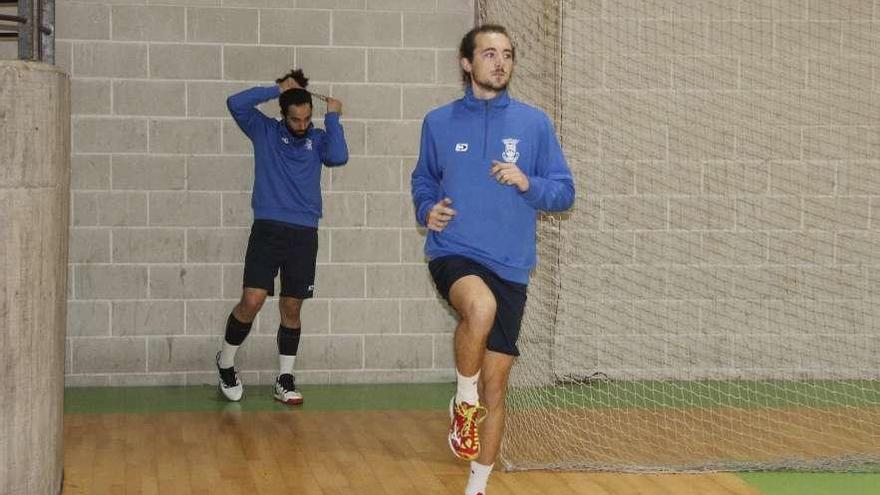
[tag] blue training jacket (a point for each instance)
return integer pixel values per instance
(287, 176)
(494, 223)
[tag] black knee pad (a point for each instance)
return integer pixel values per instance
(236, 331)
(288, 340)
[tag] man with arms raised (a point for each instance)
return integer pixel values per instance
(289, 155)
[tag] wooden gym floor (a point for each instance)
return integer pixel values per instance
(347, 440)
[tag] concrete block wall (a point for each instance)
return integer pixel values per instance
(161, 179)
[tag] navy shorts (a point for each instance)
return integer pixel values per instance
(510, 298)
(275, 246)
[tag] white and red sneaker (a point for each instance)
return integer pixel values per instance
(285, 390)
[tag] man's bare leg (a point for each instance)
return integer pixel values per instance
(475, 304)
(493, 394)
(250, 304)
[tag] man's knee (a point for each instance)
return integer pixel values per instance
(290, 310)
(480, 309)
(251, 304)
(290, 318)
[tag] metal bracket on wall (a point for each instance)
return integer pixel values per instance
(33, 28)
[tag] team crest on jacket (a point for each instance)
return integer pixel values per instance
(309, 144)
(510, 154)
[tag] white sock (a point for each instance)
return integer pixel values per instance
(227, 354)
(285, 364)
(478, 478)
(467, 388)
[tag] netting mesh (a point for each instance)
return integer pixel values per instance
(710, 303)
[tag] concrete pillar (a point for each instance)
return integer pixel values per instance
(34, 204)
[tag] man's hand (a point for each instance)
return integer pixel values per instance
(440, 215)
(334, 105)
(509, 174)
(288, 83)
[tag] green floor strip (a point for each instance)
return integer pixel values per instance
(643, 394)
(814, 483)
(256, 398)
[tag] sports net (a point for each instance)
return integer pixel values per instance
(711, 302)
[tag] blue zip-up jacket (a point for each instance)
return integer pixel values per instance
(494, 223)
(287, 176)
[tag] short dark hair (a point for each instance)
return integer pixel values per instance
(295, 96)
(469, 44)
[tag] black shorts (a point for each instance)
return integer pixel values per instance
(290, 248)
(510, 298)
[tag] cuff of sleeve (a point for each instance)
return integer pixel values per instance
(536, 189)
(331, 118)
(422, 213)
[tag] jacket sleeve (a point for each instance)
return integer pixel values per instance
(334, 150)
(243, 107)
(552, 186)
(425, 181)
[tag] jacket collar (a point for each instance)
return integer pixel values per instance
(501, 100)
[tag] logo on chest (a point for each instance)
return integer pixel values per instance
(461, 147)
(510, 154)
(307, 144)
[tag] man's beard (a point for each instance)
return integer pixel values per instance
(489, 84)
(297, 134)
